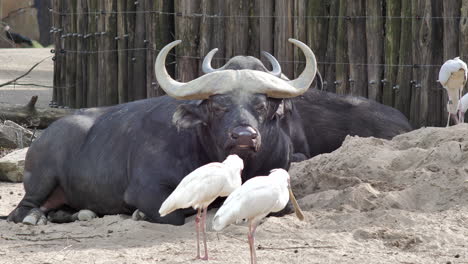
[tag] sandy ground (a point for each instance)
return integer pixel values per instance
(14, 63)
(371, 201)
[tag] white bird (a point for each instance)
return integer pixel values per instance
(254, 200)
(462, 107)
(453, 75)
(201, 187)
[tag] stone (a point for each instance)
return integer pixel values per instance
(12, 166)
(86, 215)
(13, 135)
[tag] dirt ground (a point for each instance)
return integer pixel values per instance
(371, 201)
(14, 63)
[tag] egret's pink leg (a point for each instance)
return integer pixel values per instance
(203, 226)
(197, 226)
(251, 237)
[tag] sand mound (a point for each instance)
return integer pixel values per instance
(426, 169)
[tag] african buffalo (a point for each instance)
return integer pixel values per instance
(132, 156)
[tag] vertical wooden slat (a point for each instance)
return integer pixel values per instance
(403, 91)
(122, 81)
(102, 65)
(262, 29)
(341, 83)
(422, 32)
(284, 51)
(374, 41)
(111, 56)
(70, 45)
(300, 33)
(187, 29)
(163, 32)
(91, 40)
(130, 36)
(56, 22)
(329, 74)
(317, 27)
(79, 58)
(237, 28)
(436, 102)
(139, 55)
(463, 37)
(149, 42)
(451, 35)
(357, 53)
(392, 35)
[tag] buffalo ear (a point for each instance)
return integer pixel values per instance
(189, 115)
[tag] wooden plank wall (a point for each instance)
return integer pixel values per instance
(387, 50)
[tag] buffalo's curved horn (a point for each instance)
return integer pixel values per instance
(206, 66)
(307, 76)
(276, 71)
(197, 89)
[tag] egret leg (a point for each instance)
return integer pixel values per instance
(197, 226)
(203, 226)
(251, 237)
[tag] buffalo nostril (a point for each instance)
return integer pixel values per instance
(244, 132)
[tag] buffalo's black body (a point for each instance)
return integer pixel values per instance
(327, 118)
(132, 156)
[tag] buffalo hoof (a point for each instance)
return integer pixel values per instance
(138, 215)
(86, 215)
(35, 217)
(61, 217)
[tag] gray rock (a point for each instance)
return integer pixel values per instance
(12, 166)
(13, 135)
(86, 215)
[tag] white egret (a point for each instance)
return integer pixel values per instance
(254, 200)
(201, 187)
(453, 76)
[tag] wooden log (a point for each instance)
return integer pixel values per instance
(164, 29)
(139, 54)
(30, 116)
(341, 81)
(130, 36)
(122, 79)
(374, 41)
(212, 31)
(392, 36)
(284, 51)
(93, 58)
(110, 56)
(329, 74)
(187, 29)
(403, 91)
(357, 53)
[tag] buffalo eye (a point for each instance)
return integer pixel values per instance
(261, 107)
(218, 109)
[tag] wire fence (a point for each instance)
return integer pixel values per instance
(389, 51)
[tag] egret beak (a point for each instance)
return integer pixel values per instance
(297, 209)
